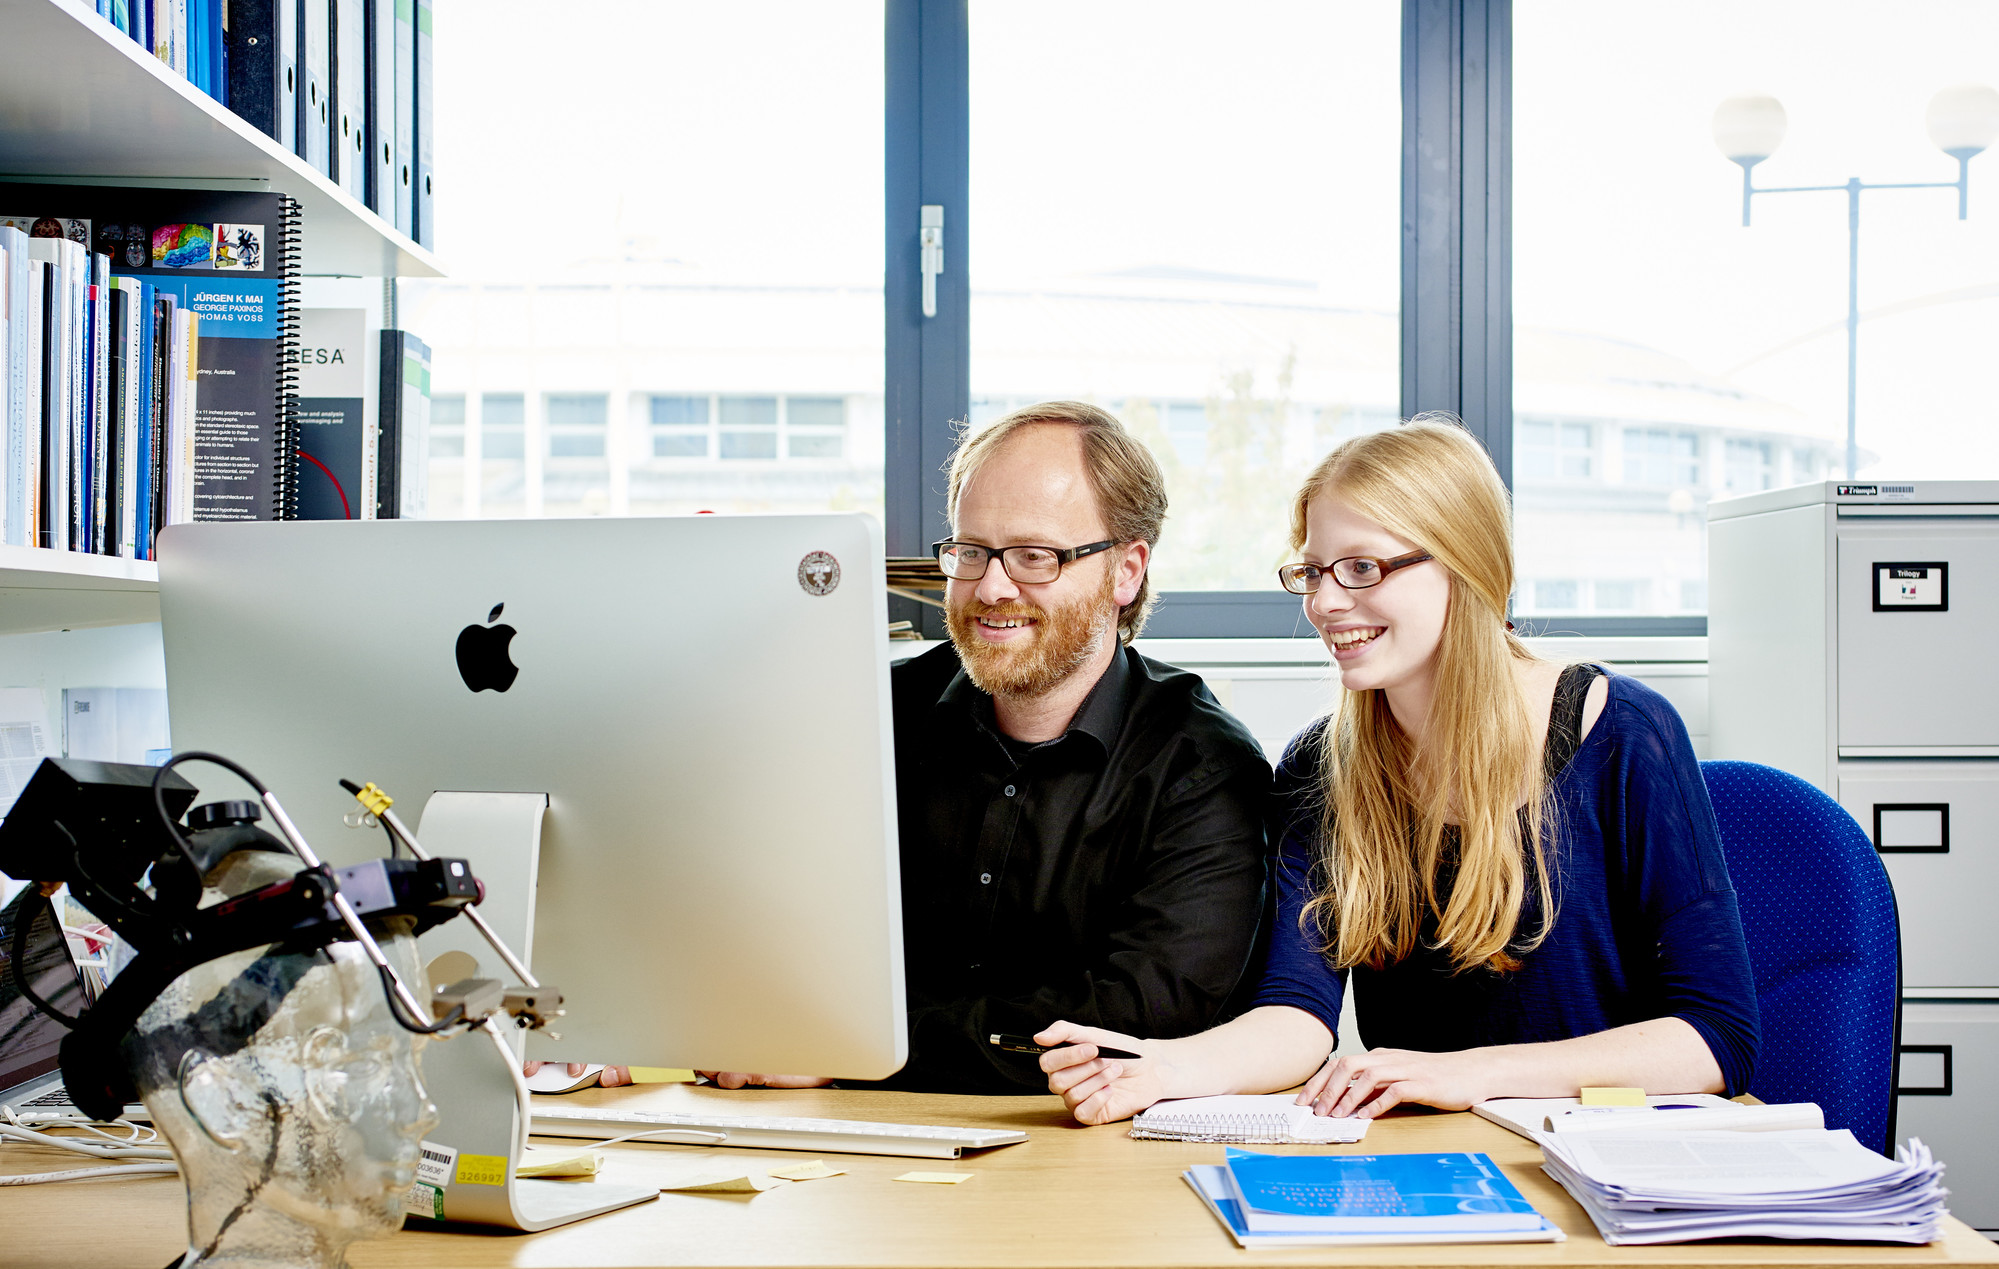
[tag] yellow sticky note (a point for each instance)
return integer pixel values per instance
(482, 1169)
(725, 1181)
(812, 1170)
(936, 1178)
(1613, 1097)
(660, 1075)
(557, 1161)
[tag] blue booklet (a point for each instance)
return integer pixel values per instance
(1376, 1193)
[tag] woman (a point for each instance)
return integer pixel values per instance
(1515, 860)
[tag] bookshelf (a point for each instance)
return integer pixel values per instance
(79, 101)
(67, 590)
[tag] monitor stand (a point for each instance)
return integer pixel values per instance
(475, 1078)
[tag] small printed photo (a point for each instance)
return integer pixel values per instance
(239, 247)
(49, 227)
(183, 247)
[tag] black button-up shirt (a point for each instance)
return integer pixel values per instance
(1113, 876)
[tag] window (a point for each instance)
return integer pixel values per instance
(1655, 456)
(503, 454)
(815, 427)
(1547, 450)
(1188, 215)
(1556, 596)
(744, 253)
(1719, 349)
(446, 477)
(749, 427)
(679, 427)
(1748, 466)
(1624, 595)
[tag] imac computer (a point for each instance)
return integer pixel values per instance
(700, 704)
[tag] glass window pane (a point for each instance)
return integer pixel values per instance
(742, 248)
(748, 410)
(680, 445)
(1190, 216)
(1713, 354)
(447, 410)
(679, 410)
(749, 444)
(447, 444)
(576, 445)
(503, 409)
(576, 411)
(816, 411)
(814, 446)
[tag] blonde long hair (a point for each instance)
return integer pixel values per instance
(1382, 842)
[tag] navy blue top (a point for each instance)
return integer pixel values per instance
(1645, 927)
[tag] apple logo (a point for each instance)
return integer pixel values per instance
(483, 661)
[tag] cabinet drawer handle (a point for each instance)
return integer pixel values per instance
(1928, 1090)
(1919, 828)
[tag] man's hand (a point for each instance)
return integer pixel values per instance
(1099, 1090)
(609, 1077)
(1366, 1084)
(741, 1079)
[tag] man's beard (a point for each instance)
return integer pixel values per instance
(1063, 640)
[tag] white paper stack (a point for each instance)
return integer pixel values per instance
(1818, 1184)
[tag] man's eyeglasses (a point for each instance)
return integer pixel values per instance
(968, 561)
(1355, 572)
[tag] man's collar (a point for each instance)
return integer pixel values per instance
(1099, 717)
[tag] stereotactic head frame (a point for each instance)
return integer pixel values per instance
(110, 832)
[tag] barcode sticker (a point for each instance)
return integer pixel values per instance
(424, 1200)
(433, 1167)
(482, 1169)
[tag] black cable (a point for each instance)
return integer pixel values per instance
(18, 961)
(160, 799)
(456, 1015)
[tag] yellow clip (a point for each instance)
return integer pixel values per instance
(374, 799)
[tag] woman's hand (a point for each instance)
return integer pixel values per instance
(1100, 1090)
(743, 1079)
(609, 1077)
(1366, 1084)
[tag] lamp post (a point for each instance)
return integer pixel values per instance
(1962, 122)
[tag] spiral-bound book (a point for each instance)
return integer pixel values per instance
(1270, 1119)
(232, 258)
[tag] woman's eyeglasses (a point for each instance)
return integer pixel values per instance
(1355, 572)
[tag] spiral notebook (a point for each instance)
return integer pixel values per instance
(1268, 1119)
(233, 257)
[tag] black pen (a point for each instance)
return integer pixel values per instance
(1021, 1044)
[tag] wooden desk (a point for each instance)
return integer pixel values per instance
(1070, 1196)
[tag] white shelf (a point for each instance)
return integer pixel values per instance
(79, 99)
(67, 590)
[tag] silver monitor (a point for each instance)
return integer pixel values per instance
(704, 700)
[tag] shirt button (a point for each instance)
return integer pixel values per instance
(1009, 790)
(985, 879)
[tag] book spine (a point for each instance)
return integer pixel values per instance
(35, 465)
(101, 416)
(156, 456)
(15, 530)
(285, 446)
(79, 399)
(143, 380)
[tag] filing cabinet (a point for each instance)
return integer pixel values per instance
(1852, 629)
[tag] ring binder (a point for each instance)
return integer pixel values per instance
(284, 491)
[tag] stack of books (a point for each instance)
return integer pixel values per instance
(1266, 1200)
(910, 576)
(1660, 1187)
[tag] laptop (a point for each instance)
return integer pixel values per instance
(30, 1079)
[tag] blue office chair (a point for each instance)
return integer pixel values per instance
(1824, 941)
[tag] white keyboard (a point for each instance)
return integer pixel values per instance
(771, 1132)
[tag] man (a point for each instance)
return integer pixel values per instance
(1082, 828)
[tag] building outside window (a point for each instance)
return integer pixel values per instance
(749, 427)
(1748, 466)
(577, 477)
(815, 427)
(503, 454)
(1657, 456)
(1544, 449)
(679, 426)
(447, 456)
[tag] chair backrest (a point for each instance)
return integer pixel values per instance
(1824, 941)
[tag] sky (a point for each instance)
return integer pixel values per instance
(742, 143)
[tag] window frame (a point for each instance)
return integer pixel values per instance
(1456, 251)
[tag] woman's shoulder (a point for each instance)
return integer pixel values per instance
(1637, 717)
(1305, 755)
